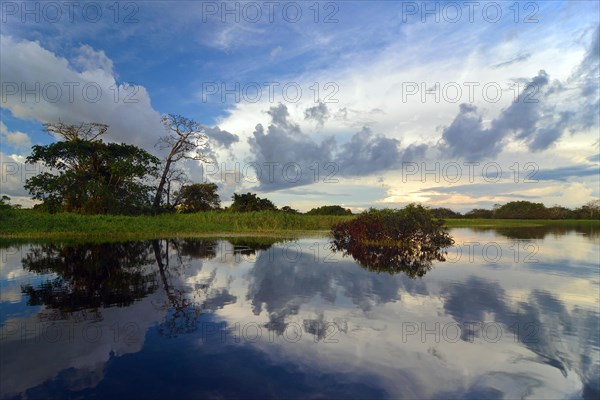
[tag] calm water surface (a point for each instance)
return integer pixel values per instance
(512, 313)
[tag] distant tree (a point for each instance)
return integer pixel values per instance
(250, 202)
(589, 210)
(185, 140)
(479, 213)
(89, 176)
(330, 210)
(522, 210)
(289, 209)
(559, 212)
(5, 203)
(444, 213)
(199, 197)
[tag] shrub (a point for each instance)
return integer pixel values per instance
(405, 240)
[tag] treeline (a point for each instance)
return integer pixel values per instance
(85, 175)
(512, 210)
(245, 202)
(525, 210)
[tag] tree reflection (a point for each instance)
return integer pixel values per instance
(588, 230)
(186, 304)
(250, 245)
(90, 275)
(203, 249)
(412, 259)
(391, 240)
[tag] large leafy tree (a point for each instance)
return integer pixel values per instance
(522, 210)
(86, 175)
(199, 197)
(250, 202)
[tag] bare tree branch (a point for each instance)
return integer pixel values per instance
(186, 139)
(88, 131)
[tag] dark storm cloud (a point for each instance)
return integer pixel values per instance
(297, 155)
(318, 113)
(536, 120)
(544, 137)
(279, 115)
(467, 138)
(221, 137)
(366, 153)
(562, 173)
(293, 151)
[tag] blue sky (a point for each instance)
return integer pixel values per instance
(360, 133)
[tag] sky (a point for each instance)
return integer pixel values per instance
(359, 103)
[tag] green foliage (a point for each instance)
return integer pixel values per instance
(406, 240)
(289, 209)
(414, 223)
(558, 212)
(5, 203)
(590, 210)
(522, 210)
(6, 210)
(533, 211)
(444, 213)
(199, 197)
(330, 210)
(92, 177)
(250, 202)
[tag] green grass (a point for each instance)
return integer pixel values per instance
(35, 224)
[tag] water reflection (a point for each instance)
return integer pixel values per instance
(291, 318)
(590, 231)
(411, 259)
(89, 275)
(185, 305)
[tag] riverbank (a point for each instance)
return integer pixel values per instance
(34, 224)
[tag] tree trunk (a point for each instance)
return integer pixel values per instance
(161, 185)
